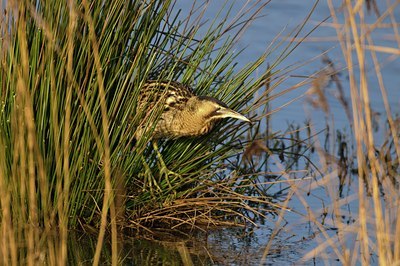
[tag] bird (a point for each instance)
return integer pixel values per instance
(181, 113)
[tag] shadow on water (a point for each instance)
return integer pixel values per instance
(166, 250)
(227, 246)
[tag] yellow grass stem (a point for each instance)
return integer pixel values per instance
(108, 193)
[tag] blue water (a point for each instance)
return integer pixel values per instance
(279, 18)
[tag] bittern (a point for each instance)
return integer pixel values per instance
(182, 114)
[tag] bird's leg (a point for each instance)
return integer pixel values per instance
(164, 169)
(151, 179)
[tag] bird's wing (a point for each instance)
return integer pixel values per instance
(171, 94)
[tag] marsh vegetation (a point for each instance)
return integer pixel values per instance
(76, 187)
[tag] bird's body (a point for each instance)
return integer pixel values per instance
(182, 113)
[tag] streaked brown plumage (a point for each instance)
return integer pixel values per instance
(182, 113)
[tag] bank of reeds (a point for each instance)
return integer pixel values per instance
(70, 76)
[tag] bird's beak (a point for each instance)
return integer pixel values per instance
(229, 113)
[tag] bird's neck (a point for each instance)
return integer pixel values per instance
(194, 124)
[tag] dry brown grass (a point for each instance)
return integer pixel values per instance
(376, 224)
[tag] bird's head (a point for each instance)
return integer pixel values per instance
(184, 114)
(213, 110)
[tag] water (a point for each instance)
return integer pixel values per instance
(297, 235)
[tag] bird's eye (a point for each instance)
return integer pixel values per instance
(216, 111)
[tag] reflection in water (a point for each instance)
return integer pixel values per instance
(138, 251)
(229, 246)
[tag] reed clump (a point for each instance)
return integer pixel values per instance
(70, 77)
